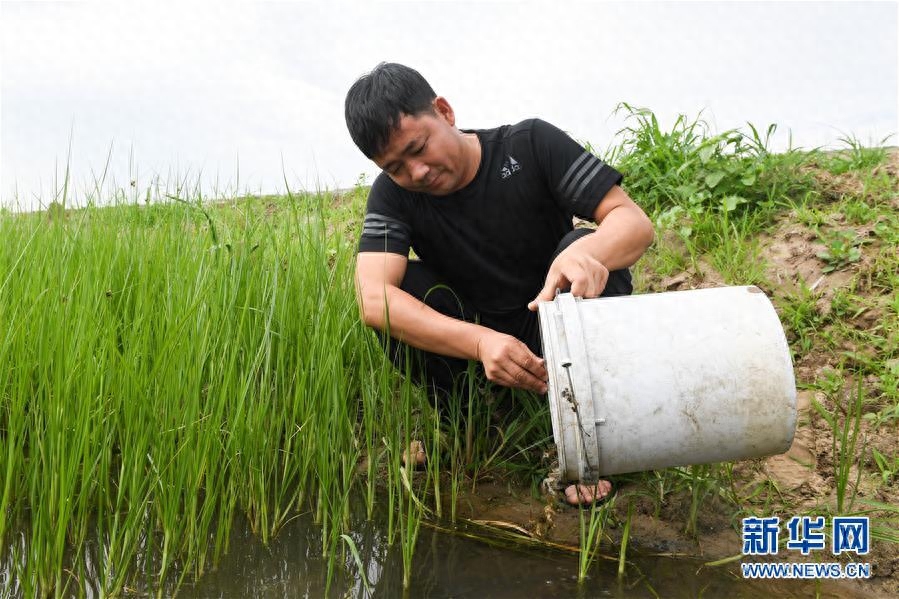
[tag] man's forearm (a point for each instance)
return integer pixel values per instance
(621, 238)
(407, 319)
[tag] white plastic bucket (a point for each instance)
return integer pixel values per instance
(645, 382)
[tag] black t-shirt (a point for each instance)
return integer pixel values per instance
(492, 241)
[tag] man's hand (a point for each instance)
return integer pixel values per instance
(574, 268)
(623, 234)
(509, 362)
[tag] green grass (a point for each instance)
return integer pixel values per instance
(169, 366)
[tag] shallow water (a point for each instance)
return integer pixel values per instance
(446, 564)
(449, 565)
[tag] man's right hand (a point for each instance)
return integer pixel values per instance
(509, 362)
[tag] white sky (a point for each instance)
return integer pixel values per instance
(183, 89)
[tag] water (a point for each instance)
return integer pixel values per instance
(446, 564)
(450, 565)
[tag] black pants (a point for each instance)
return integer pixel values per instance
(443, 374)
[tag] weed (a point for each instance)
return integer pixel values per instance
(844, 442)
(857, 156)
(803, 321)
(841, 250)
(859, 212)
(888, 467)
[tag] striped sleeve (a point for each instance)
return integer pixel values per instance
(579, 179)
(382, 233)
(386, 227)
(579, 175)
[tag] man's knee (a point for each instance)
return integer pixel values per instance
(620, 283)
(423, 284)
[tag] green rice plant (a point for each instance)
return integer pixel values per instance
(170, 363)
(406, 492)
(435, 458)
(592, 520)
(701, 483)
(359, 565)
(698, 482)
(449, 433)
(412, 507)
(508, 433)
(524, 432)
(453, 423)
(189, 361)
(625, 536)
(380, 388)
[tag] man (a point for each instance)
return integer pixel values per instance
(489, 215)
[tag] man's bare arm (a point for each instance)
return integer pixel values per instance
(623, 234)
(384, 305)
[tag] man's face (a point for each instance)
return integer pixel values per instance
(426, 153)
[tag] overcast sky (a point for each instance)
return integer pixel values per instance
(187, 89)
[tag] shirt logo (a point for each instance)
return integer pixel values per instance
(510, 166)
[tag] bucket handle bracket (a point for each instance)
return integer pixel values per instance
(572, 344)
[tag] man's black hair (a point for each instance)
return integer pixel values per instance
(378, 100)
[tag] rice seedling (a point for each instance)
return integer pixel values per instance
(409, 490)
(351, 545)
(453, 421)
(185, 365)
(592, 520)
(625, 536)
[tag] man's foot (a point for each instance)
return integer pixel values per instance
(588, 494)
(415, 455)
